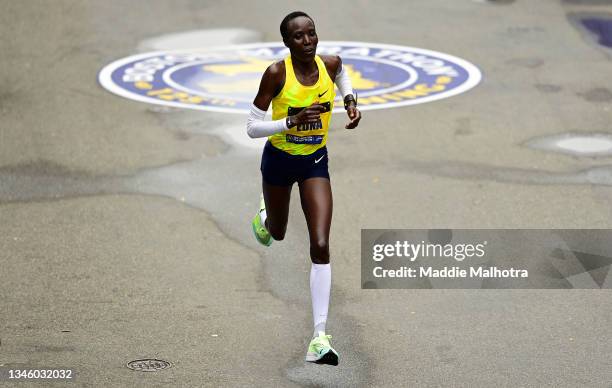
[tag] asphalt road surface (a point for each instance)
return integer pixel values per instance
(125, 226)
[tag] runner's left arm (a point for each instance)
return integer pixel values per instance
(343, 81)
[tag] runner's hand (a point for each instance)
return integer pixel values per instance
(354, 115)
(311, 114)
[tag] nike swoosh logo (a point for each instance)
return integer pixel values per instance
(321, 95)
(318, 160)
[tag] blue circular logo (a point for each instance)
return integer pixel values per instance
(226, 79)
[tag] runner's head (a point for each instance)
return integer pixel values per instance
(299, 35)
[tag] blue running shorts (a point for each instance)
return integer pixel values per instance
(282, 169)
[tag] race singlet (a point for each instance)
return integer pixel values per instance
(303, 139)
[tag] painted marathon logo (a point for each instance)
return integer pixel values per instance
(226, 79)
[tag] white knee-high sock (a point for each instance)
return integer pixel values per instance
(320, 287)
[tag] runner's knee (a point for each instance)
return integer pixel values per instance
(319, 251)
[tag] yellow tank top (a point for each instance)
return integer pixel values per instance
(303, 139)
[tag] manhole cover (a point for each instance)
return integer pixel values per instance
(148, 365)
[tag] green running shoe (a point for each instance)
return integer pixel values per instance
(259, 229)
(320, 351)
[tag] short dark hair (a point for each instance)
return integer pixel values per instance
(288, 18)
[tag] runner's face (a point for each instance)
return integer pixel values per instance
(302, 38)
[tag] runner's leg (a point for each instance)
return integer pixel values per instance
(316, 199)
(277, 209)
(317, 204)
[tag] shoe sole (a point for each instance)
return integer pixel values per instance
(329, 358)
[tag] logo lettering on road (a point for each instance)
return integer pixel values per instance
(226, 79)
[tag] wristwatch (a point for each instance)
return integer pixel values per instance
(348, 99)
(290, 122)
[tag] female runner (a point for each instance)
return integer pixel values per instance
(301, 90)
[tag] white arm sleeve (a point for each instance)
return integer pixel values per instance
(257, 127)
(344, 82)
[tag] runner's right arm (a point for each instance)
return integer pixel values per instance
(271, 84)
